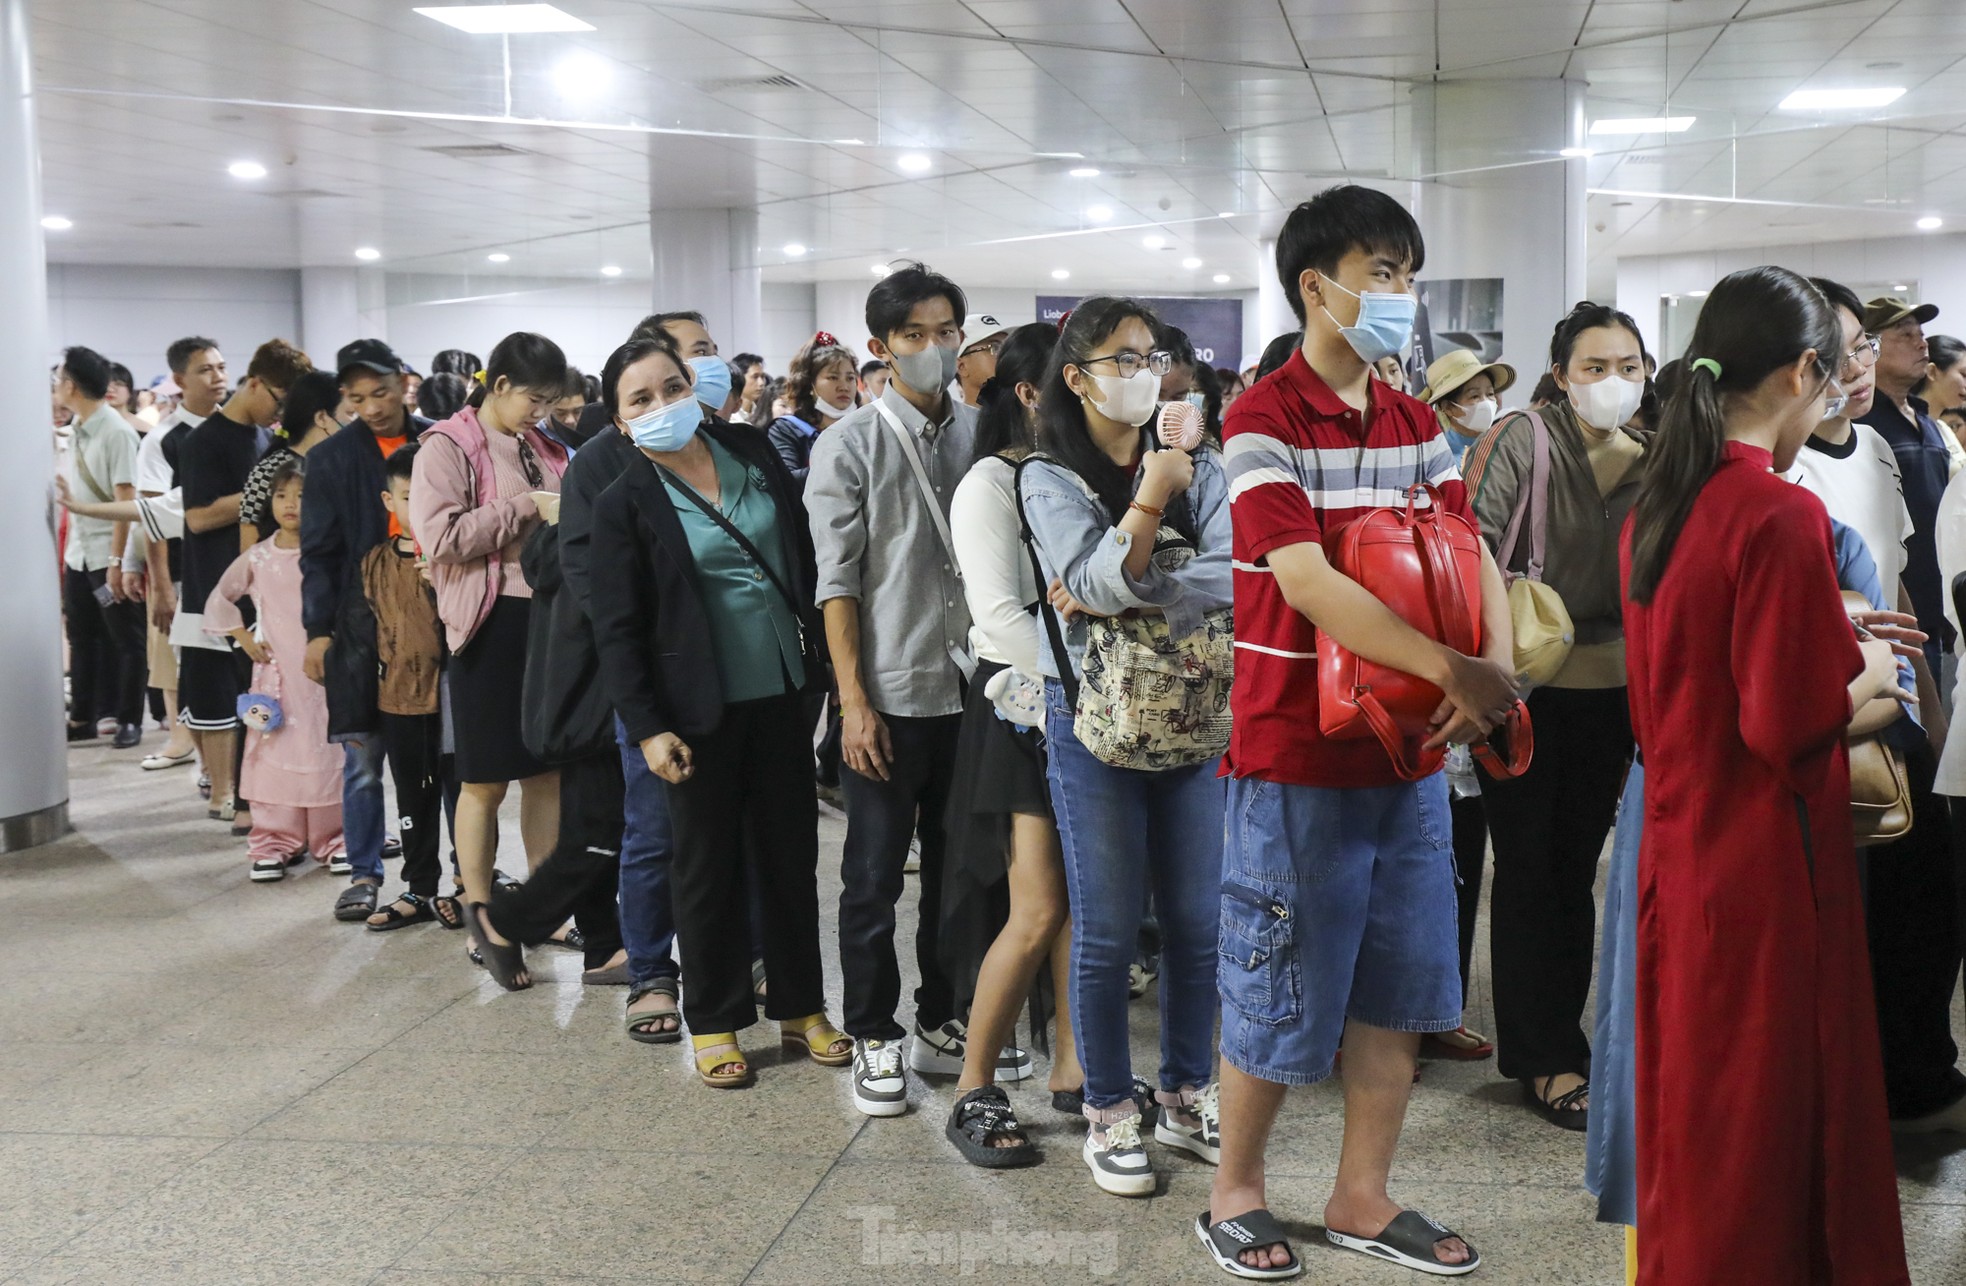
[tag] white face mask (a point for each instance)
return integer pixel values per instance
(1129, 399)
(1475, 420)
(1608, 403)
(828, 409)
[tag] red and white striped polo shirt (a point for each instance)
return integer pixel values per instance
(1301, 464)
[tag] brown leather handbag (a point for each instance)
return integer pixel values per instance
(1424, 565)
(1880, 788)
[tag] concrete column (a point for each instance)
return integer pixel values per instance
(707, 261)
(33, 754)
(329, 314)
(1274, 315)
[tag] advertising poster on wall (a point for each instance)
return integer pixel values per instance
(1214, 326)
(1456, 312)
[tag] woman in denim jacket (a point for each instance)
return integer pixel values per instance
(1096, 503)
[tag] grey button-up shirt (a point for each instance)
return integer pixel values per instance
(878, 544)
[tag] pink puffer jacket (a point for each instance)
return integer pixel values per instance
(462, 522)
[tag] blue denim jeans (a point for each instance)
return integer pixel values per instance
(648, 920)
(361, 805)
(1121, 829)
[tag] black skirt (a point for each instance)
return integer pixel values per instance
(486, 682)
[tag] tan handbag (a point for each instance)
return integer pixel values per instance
(1880, 788)
(1544, 632)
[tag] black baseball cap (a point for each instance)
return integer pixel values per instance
(370, 355)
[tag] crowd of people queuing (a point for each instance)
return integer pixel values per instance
(679, 602)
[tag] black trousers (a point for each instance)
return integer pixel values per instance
(1911, 911)
(582, 875)
(105, 651)
(881, 816)
(747, 816)
(414, 744)
(1470, 856)
(1549, 826)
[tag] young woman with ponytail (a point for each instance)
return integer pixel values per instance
(1764, 1149)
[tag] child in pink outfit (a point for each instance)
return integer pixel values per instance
(292, 774)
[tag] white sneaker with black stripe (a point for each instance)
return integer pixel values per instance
(941, 1053)
(880, 1086)
(1118, 1159)
(1204, 1138)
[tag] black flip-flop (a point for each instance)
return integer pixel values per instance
(1409, 1241)
(1232, 1237)
(1558, 1111)
(397, 919)
(981, 1113)
(357, 902)
(504, 963)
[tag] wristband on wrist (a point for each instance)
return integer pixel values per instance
(1149, 510)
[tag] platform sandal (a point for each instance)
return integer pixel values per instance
(824, 1043)
(715, 1056)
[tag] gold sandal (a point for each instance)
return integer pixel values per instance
(711, 1057)
(812, 1035)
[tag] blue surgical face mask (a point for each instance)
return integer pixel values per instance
(1385, 322)
(667, 428)
(1198, 400)
(712, 381)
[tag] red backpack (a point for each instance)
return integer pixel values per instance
(1424, 565)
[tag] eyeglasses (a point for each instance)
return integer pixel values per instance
(1863, 356)
(529, 465)
(1130, 363)
(990, 346)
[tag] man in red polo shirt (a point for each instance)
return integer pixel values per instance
(1338, 877)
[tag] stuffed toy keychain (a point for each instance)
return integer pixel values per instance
(260, 711)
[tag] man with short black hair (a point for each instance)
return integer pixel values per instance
(873, 380)
(105, 628)
(343, 519)
(878, 494)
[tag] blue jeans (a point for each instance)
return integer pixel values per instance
(1121, 828)
(648, 919)
(361, 805)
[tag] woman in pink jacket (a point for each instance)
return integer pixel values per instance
(483, 481)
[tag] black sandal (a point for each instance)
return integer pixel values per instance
(1231, 1238)
(357, 902)
(758, 983)
(1560, 1111)
(640, 1026)
(449, 910)
(982, 1114)
(573, 939)
(419, 913)
(504, 963)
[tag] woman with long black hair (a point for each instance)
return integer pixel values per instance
(1131, 531)
(1761, 1128)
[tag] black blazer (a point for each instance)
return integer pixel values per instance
(657, 660)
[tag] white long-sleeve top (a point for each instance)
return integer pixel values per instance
(997, 578)
(1951, 526)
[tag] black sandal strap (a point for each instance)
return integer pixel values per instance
(1252, 1231)
(1568, 1100)
(981, 1115)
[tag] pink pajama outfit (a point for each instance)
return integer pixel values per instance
(292, 774)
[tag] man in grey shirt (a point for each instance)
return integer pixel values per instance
(898, 628)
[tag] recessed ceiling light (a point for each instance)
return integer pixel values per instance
(1642, 125)
(499, 256)
(915, 163)
(368, 254)
(1696, 294)
(850, 142)
(1099, 213)
(1829, 100)
(1221, 278)
(1931, 223)
(1153, 242)
(1085, 172)
(1226, 214)
(55, 223)
(880, 270)
(1899, 285)
(581, 74)
(1575, 153)
(1191, 263)
(505, 19)
(612, 270)
(1059, 274)
(793, 249)
(246, 170)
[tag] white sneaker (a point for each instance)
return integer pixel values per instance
(942, 1051)
(880, 1087)
(912, 864)
(1204, 1139)
(339, 866)
(1118, 1160)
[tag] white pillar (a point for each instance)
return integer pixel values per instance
(33, 754)
(1274, 315)
(706, 261)
(329, 313)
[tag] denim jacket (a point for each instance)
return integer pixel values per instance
(1080, 545)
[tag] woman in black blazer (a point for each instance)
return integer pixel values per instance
(707, 637)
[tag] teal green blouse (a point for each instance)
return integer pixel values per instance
(755, 634)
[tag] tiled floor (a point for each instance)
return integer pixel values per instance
(207, 1081)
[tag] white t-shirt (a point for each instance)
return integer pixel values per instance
(997, 578)
(1951, 528)
(1859, 483)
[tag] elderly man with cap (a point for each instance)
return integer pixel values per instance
(977, 361)
(342, 521)
(1923, 461)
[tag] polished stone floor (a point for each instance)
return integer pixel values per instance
(208, 1081)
